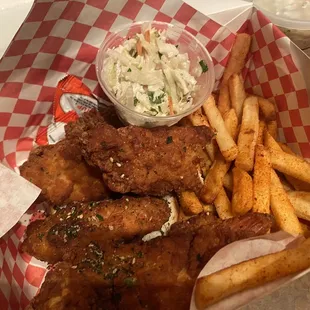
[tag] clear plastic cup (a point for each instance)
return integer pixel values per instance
(292, 17)
(187, 44)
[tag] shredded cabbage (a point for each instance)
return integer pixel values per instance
(149, 81)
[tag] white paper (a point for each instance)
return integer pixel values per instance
(222, 12)
(16, 196)
(243, 250)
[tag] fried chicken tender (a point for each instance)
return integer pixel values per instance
(62, 174)
(159, 274)
(77, 224)
(152, 161)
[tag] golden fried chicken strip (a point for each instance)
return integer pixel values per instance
(62, 174)
(159, 274)
(77, 224)
(144, 161)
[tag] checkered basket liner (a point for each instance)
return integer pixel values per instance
(62, 37)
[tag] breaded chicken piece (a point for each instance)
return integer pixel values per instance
(77, 224)
(144, 161)
(156, 275)
(62, 174)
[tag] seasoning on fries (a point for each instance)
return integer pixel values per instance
(224, 140)
(290, 164)
(214, 180)
(242, 197)
(273, 129)
(190, 203)
(237, 94)
(251, 273)
(261, 180)
(231, 123)
(267, 109)
(224, 103)
(248, 134)
(237, 57)
(282, 208)
(228, 181)
(301, 203)
(223, 205)
(261, 130)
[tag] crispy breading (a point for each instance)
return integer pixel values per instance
(159, 274)
(62, 174)
(77, 224)
(89, 120)
(153, 161)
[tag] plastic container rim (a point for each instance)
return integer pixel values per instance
(282, 21)
(154, 118)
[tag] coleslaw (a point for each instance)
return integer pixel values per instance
(150, 75)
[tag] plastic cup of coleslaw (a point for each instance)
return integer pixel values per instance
(292, 17)
(156, 96)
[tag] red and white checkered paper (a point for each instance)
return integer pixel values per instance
(62, 37)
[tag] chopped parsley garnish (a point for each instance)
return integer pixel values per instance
(103, 144)
(40, 236)
(155, 111)
(135, 101)
(169, 140)
(140, 254)
(155, 100)
(130, 282)
(129, 70)
(199, 258)
(160, 55)
(99, 217)
(203, 66)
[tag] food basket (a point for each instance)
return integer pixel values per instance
(63, 37)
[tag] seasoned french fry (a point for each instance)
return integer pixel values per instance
(182, 216)
(250, 274)
(285, 148)
(267, 109)
(248, 135)
(209, 208)
(197, 118)
(242, 197)
(282, 208)
(211, 149)
(297, 184)
(224, 140)
(290, 165)
(228, 181)
(190, 203)
(272, 127)
(261, 180)
(224, 103)
(237, 57)
(261, 130)
(214, 180)
(301, 204)
(223, 205)
(237, 94)
(231, 123)
(270, 142)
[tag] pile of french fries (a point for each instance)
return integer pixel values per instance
(251, 172)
